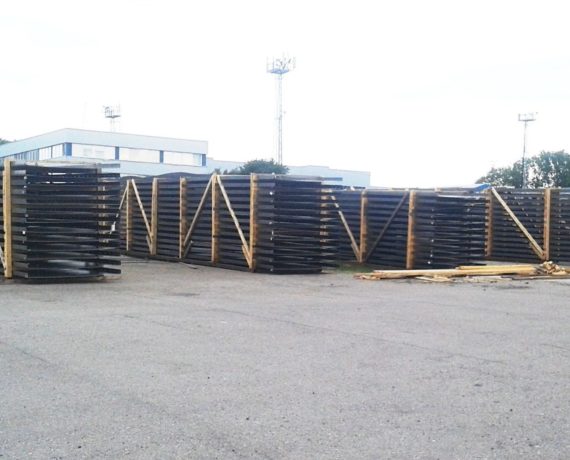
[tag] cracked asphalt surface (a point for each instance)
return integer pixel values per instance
(175, 362)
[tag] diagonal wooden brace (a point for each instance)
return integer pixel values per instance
(244, 243)
(533, 244)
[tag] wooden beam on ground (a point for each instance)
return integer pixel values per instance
(154, 218)
(483, 270)
(7, 216)
(547, 214)
(253, 193)
(182, 219)
(209, 189)
(244, 244)
(215, 220)
(353, 242)
(386, 226)
(533, 244)
(363, 248)
(411, 241)
(489, 236)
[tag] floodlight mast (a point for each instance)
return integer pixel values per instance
(525, 118)
(112, 113)
(279, 67)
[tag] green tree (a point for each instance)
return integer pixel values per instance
(260, 167)
(548, 169)
(3, 141)
(509, 176)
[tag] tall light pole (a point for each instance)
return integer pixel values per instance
(279, 67)
(112, 113)
(525, 118)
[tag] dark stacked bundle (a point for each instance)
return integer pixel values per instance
(507, 239)
(297, 226)
(387, 228)
(198, 219)
(62, 222)
(560, 225)
(207, 220)
(347, 205)
(449, 230)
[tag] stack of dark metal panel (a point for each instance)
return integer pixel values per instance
(508, 242)
(560, 225)
(139, 237)
(63, 222)
(391, 250)
(168, 228)
(349, 203)
(297, 226)
(449, 230)
(200, 251)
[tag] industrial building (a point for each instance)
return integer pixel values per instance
(144, 155)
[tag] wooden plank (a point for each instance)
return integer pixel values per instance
(488, 270)
(245, 246)
(489, 236)
(129, 217)
(182, 219)
(353, 242)
(363, 227)
(253, 192)
(154, 218)
(7, 210)
(141, 207)
(546, 232)
(215, 220)
(209, 189)
(533, 244)
(386, 226)
(411, 242)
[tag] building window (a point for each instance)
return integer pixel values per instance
(142, 155)
(98, 152)
(179, 158)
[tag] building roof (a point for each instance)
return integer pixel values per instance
(83, 136)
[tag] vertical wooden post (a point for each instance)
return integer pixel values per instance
(7, 210)
(547, 207)
(411, 243)
(183, 221)
(129, 218)
(253, 192)
(154, 217)
(489, 237)
(215, 220)
(363, 226)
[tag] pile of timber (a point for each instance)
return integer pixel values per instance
(520, 270)
(59, 222)
(266, 223)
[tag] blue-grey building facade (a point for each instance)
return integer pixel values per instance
(144, 155)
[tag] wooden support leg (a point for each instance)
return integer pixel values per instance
(411, 243)
(7, 215)
(363, 247)
(215, 220)
(253, 192)
(547, 207)
(183, 219)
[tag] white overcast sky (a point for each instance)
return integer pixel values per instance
(421, 93)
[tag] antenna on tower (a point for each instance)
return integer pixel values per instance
(279, 67)
(112, 113)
